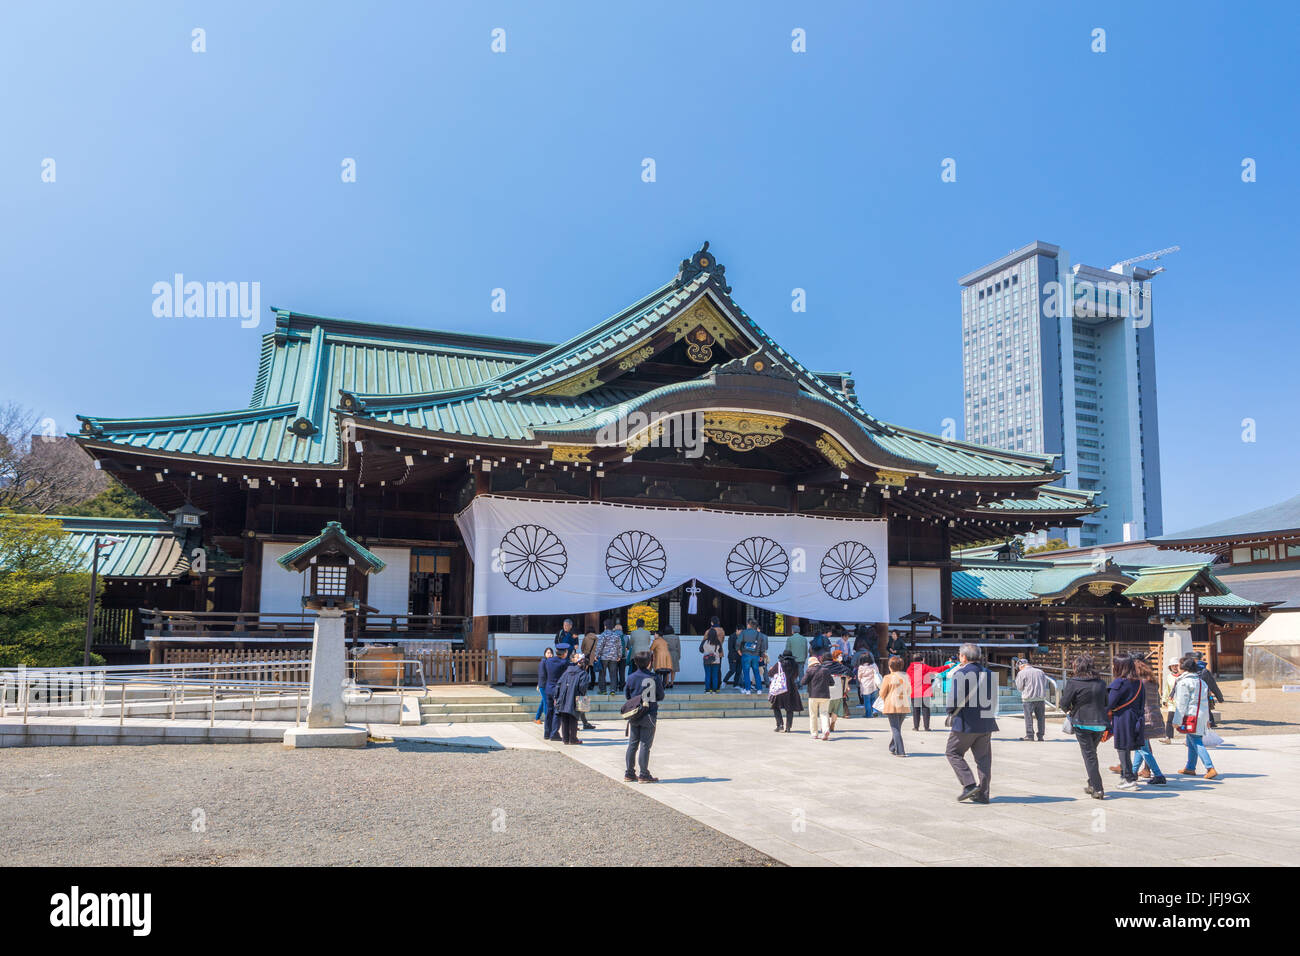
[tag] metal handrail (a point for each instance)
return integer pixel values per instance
(86, 687)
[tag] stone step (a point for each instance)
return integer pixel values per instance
(439, 707)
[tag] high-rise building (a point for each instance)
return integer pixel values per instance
(1062, 359)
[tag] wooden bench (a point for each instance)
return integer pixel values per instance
(511, 661)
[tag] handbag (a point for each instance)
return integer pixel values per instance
(1068, 725)
(582, 704)
(779, 685)
(1188, 724)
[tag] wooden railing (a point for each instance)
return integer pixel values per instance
(190, 655)
(114, 626)
(222, 626)
(956, 634)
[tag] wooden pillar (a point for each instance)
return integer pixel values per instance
(478, 634)
(591, 621)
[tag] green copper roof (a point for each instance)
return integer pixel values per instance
(146, 549)
(494, 388)
(332, 540)
(1048, 499)
(991, 583)
(1153, 581)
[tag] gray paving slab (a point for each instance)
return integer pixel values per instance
(861, 806)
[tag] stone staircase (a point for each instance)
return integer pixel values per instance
(484, 709)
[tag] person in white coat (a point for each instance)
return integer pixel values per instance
(1192, 710)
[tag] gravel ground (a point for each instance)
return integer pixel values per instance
(391, 803)
(1270, 712)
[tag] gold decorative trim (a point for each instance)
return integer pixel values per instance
(574, 386)
(738, 441)
(893, 479)
(834, 452)
(743, 431)
(633, 359)
(571, 452)
(644, 437)
(703, 317)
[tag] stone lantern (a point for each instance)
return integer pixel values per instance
(331, 561)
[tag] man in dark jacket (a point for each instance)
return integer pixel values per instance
(733, 660)
(649, 686)
(549, 672)
(973, 716)
(565, 634)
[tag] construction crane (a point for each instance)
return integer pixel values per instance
(1119, 266)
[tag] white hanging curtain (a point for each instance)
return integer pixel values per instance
(556, 557)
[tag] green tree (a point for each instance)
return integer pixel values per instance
(115, 501)
(1053, 544)
(43, 594)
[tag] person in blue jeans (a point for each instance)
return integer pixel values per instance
(752, 646)
(712, 648)
(1192, 700)
(1155, 724)
(541, 676)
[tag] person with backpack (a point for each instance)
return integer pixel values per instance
(711, 650)
(1126, 717)
(784, 693)
(752, 644)
(1192, 716)
(1084, 701)
(820, 645)
(643, 692)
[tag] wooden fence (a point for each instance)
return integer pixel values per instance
(302, 674)
(114, 626)
(1061, 657)
(460, 667)
(442, 665)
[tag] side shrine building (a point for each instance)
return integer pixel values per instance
(672, 462)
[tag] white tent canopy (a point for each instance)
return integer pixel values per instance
(1272, 652)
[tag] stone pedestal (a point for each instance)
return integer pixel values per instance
(1178, 643)
(329, 668)
(298, 737)
(325, 707)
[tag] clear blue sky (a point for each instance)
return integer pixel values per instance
(522, 171)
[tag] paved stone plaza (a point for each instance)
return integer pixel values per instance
(848, 801)
(402, 803)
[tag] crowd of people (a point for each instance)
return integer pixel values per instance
(1135, 708)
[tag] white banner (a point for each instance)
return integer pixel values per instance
(559, 557)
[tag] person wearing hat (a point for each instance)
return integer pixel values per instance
(573, 683)
(550, 672)
(788, 699)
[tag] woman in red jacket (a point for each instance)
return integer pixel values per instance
(921, 676)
